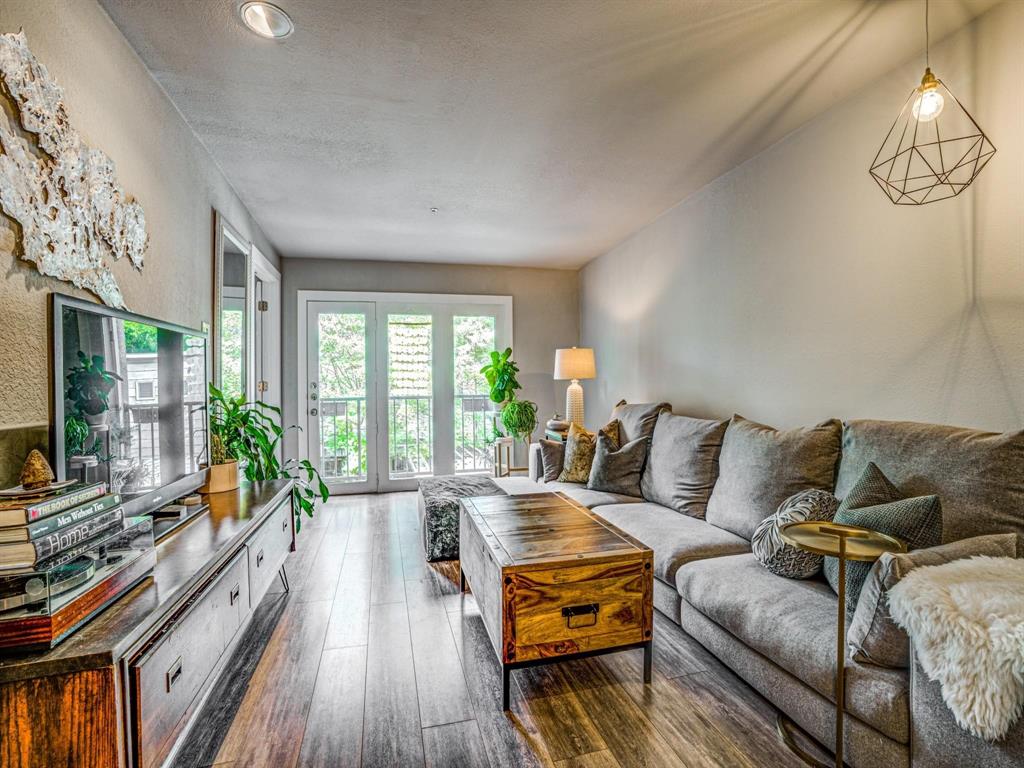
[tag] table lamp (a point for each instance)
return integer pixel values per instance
(574, 363)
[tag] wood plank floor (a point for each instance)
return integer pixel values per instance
(374, 659)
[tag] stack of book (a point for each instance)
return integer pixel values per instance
(40, 534)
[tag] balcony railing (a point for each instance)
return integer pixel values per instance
(474, 433)
(343, 438)
(344, 445)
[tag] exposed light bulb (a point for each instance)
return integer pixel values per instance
(928, 105)
(929, 102)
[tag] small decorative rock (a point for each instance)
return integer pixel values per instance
(36, 474)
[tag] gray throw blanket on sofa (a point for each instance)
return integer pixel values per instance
(439, 510)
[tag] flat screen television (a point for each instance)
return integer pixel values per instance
(128, 403)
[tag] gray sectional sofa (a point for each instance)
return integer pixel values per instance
(779, 634)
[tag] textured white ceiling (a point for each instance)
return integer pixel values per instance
(544, 131)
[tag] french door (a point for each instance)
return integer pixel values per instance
(392, 386)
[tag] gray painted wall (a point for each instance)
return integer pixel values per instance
(791, 290)
(545, 312)
(117, 107)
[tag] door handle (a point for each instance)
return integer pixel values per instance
(234, 595)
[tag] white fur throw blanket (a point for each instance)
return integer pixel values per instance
(966, 621)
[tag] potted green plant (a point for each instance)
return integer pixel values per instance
(519, 417)
(248, 436)
(89, 387)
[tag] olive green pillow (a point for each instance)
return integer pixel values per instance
(579, 452)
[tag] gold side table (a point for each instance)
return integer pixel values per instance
(844, 542)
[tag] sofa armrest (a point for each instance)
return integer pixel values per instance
(936, 741)
(534, 464)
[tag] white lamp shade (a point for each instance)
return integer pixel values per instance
(575, 363)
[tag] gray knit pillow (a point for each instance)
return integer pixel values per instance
(875, 503)
(781, 558)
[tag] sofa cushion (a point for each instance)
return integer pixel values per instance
(552, 457)
(760, 467)
(873, 637)
(588, 498)
(637, 419)
(975, 474)
(519, 486)
(793, 623)
(617, 469)
(674, 538)
(682, 465)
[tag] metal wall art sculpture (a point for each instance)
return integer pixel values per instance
(71, 210)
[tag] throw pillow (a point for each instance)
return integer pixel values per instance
(682, 463)
(872, 488)
(552, 459)
(637, 420)
(781, 558)
(617, 470)
(760, 467)
(873, 637)
(917, 522)
(579, 452)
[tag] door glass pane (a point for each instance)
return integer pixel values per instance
(232, 346)
(342, 377)
(474, 412)
(410, 396)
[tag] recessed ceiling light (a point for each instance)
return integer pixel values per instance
(267, 20)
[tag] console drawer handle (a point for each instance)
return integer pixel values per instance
(577, 616)
(259, 558)
(173, 674)
(284, 524)
(234, 595)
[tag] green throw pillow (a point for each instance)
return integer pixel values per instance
(875, 503)
(579, 452)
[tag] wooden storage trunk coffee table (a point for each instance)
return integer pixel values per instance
(554, 581)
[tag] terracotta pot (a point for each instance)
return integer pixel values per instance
(96, 419)
(221, 478)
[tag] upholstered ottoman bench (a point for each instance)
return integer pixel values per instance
(439, 510)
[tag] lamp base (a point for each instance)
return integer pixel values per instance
(574, 403)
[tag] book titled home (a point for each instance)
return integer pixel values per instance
(23, 555)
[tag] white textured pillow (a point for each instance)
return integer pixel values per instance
(778, 556)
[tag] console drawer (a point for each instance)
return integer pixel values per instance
(268, 548)
(231, 598)
(170, 673)
(167, 678)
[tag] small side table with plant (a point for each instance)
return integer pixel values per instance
(518, 417)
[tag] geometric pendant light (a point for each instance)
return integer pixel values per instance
(934, 149)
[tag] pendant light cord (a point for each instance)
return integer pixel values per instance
(927, 36)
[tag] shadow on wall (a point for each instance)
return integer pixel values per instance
(742, 137)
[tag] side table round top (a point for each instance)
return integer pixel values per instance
(823, 538)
